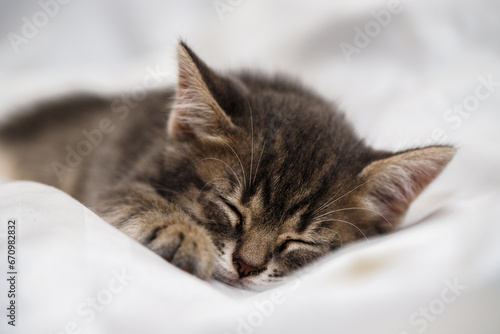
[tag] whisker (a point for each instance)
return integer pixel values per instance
(237, 157)
(331, 229)
(346, 222)
(331, 199)
(356, 208)
(218, 178)
(251, 153)
(232, 170)
(258, 164)
(350, 191)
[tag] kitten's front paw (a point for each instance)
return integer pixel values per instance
(187, 247)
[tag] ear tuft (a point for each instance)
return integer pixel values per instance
(195, 113)
(393, 183)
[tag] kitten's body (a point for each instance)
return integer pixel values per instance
(40, 139)
(242, 177)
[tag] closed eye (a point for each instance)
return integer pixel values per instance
(288, 242)
(234, 209)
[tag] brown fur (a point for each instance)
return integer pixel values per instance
(240, 177)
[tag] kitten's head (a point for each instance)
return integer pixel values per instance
(276, 175)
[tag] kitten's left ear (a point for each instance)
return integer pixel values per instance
(394, 182)
(197, 113)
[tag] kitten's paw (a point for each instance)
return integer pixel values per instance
(187, 247)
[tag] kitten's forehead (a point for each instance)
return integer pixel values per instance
(287, 185)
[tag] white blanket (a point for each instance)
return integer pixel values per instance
(431, 74)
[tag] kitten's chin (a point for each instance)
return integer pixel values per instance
(232, 280)
(241, 284)
(236, 283)
(247, 283)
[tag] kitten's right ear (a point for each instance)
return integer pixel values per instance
(196, 114)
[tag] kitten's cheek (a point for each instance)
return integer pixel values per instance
(187, 247)
(224, 270)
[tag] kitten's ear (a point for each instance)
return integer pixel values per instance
(196, 112)
(394, 182)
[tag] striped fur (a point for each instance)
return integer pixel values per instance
(239, 177)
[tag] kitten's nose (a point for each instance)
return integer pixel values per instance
(244, 269)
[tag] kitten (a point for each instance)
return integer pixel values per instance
(240, 177)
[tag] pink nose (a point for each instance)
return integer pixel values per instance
(244, 269)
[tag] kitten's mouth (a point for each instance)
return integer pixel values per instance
(235, 283)
(240, 283)
(246, 284)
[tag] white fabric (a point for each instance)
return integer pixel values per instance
(440, 274)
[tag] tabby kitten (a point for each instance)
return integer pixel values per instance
(239, 177)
